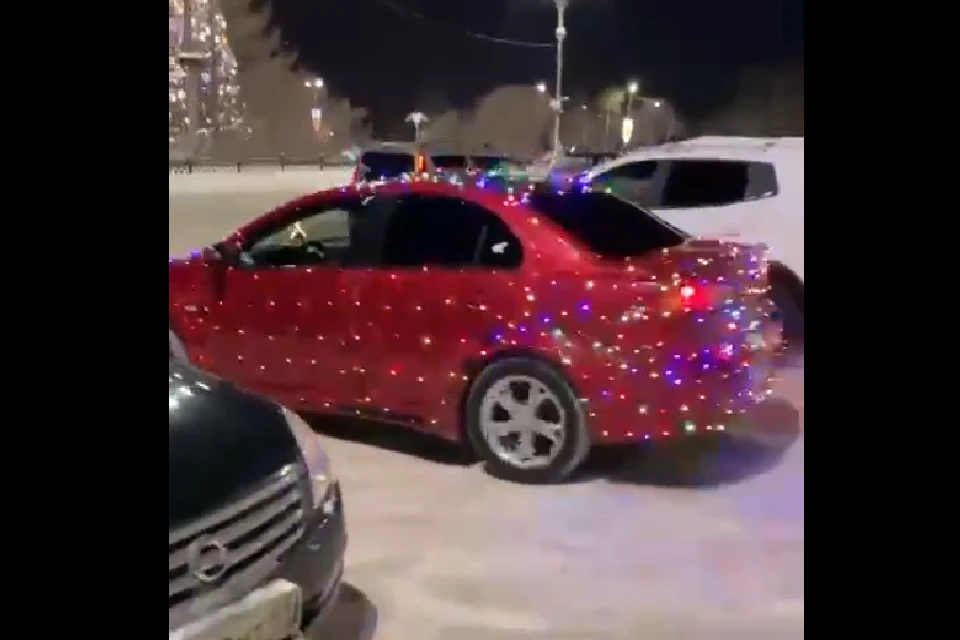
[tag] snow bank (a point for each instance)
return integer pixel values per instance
(258, 179)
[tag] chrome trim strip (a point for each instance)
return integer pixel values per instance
(282, 480)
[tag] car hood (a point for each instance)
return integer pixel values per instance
(222, 442)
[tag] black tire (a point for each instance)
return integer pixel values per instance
(789, 309)
(576, 442)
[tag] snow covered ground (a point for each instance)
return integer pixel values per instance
(693, 540)
(257, 179)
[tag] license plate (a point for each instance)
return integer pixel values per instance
(272, 612)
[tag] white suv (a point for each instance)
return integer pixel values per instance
(747, 188)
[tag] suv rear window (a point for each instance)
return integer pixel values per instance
(386, 165)
(705, 183)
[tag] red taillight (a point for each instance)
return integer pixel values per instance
(697, 297)
(694, 296)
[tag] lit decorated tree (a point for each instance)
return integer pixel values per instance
(204, 93)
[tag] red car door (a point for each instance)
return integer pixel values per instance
(428, 308)
(283, 328)
(283, 315)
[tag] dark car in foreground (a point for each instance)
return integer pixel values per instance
(257, 536)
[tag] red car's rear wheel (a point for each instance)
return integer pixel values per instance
(524, 419)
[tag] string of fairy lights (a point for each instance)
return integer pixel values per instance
(204, 93)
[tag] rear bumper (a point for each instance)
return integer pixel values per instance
(688, 391)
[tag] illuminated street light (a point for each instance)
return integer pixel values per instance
(417, 119)
(316, 108)
(561, 34)
(541, 87)
(626, 130)
(633, 87)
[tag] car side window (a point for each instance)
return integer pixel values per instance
(386, 165)
(633, 181)
(763, 181)
(443, 231)
(705, 183)
(310, 236)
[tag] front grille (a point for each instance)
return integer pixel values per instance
(255, 529)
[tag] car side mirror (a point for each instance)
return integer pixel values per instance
(210, 254)
(225, 253)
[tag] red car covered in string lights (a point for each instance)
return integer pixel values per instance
(527, 323)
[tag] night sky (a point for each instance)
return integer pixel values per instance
(390, 61)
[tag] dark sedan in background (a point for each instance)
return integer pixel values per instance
(257, 535)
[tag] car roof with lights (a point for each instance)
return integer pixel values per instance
(437, 148)
(708, 147)
(488, 190)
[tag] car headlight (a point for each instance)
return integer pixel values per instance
(316, 459)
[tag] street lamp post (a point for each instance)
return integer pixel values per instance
(556, 106)
(557, 102)
(316, 110)
(316, 84)
(632, 87)
(417, 118)
(657, 103)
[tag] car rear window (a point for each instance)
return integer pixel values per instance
(605, 224)
(449, 161)
(489, 163)
(386, 165)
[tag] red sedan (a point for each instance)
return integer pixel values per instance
(528, 323)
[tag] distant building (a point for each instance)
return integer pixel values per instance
(204, 93)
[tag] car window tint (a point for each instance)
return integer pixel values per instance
(763, 181)
(705, 183)
(447, 232)
(386, 165)
(449, 161)
(633, 181)
(489, 163)
(605, 224)
(310, 235)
